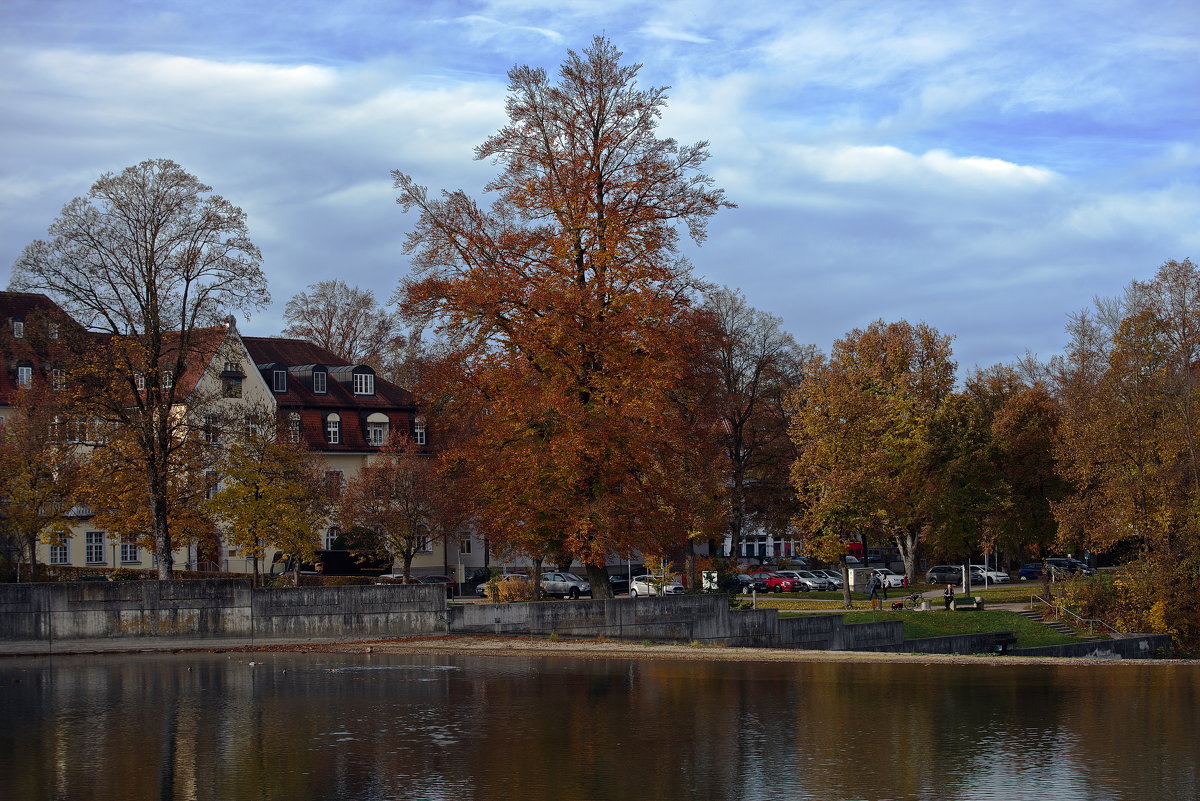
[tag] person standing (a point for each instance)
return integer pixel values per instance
(873, 586)
(948, 595)
(883, 585)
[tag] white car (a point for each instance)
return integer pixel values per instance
(992, 575)
(645, 585)
(892, 579)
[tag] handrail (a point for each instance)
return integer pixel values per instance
(1058, 610)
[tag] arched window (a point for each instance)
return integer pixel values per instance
(377, 429)
(333, 429)
(294, 427)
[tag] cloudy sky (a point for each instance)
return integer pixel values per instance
(984, 167)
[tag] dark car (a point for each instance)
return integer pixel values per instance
(741, 583)
(1059, 567)
(951, 574)
(619, 583)
(450, 584)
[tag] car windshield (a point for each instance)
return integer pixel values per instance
(569, 577)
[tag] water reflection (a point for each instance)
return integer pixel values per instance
(302, 727)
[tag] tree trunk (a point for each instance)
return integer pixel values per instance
(846, 585)
(31, 545)
(536, 579)
(598, 578)
(908, 543)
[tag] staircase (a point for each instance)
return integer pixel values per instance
(1055, 624)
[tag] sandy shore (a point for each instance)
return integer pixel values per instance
(611, 649)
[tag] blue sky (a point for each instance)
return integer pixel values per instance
(984, 167)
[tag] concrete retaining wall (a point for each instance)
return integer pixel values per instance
(1135, 646)
(215, 609)
(689, 618)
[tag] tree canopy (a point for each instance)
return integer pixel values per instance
(565, 300)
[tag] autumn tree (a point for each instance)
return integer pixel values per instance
(347, 321)
(566, 300)
(39, 470)
(271, 493)
(1128, 443)
(150, 258)
(753, 364)
(396, 499)
(861, 422)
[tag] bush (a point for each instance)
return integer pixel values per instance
(511, 590)
(124, 574)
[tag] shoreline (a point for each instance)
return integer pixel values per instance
(482, 645)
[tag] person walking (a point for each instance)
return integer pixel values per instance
(873, 586)
(883, 585)
(948, 596)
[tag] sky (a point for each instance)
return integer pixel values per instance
(984, 167)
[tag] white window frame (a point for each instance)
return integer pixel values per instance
(60, 553)
(212, 430)
(24, 377)
(167, 381)
(464, 546)
(331, 535)
(333, 430)
(294, 427)
(320, 380)
(252, 428)
(58, 380)
(93, 547)
(420, 435)
(376, 434)
(18, 328)
(279, 381)
(53, 330)
(129, 551)
(212, 483)
(139, 380)
(364, 384)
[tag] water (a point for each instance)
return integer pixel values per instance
(309, 726)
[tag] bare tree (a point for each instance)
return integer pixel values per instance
(349, 322)
(756, 364)
(150, 257)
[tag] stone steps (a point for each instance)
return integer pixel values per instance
(1056, 625)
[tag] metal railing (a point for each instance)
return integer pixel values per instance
(1059, 610)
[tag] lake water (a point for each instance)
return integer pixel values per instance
(319, 726)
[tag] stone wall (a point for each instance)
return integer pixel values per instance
(228, 608)
(689, 618)
(1131, 646)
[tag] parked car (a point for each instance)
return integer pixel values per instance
(833, 576)
(991, 575)
(807, 579)
(780, 582)
(892, 578)
(742, 583)
(450, 584)
(645, 585)
(564, 585)
(951, 574)
(1059, 567)
(619, 583)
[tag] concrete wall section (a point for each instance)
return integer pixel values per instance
(1134, 646)
(216, 609)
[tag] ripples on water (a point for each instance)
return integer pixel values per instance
(306, 727)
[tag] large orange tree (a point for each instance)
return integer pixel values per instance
(566, 301)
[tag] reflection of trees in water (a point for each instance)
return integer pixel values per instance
(143, 727)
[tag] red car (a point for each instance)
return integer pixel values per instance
(777, 583)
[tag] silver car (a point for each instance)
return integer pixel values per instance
(834, 577)
(806, 579)
(646, 585)
(564, 585)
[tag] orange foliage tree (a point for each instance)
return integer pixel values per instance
(567, 302)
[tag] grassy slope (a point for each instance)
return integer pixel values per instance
(1030, 633)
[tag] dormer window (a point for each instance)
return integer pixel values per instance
(320, 381)
(279, 380)
(364, 384)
